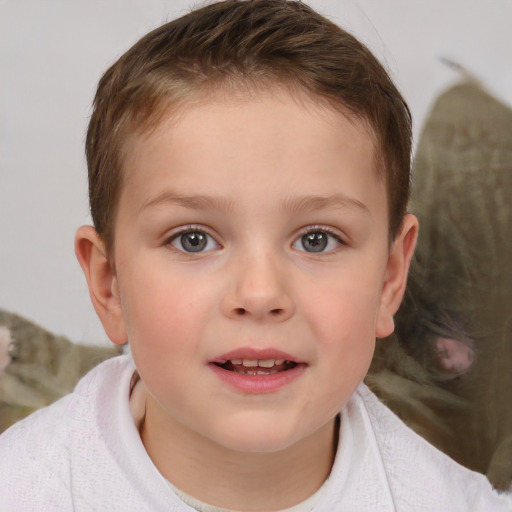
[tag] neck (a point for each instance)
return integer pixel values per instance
(238, 480)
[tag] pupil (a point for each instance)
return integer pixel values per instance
(314, 242)
(194, 241)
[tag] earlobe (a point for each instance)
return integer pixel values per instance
(395, 280)
(102, 282)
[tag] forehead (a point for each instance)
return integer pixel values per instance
(228, 96)
(219, 141)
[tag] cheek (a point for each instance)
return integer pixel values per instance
(345, 311)
(342, 319)
(165, 314)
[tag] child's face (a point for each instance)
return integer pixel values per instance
(253, 230)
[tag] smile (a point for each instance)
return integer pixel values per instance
(257, 371)
(257, 366)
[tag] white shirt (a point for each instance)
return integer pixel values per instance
(84, 453)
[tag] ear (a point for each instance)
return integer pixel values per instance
(395, 279)
(102, 282)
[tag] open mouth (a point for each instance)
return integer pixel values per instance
(256, 366)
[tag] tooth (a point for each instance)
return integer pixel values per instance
(236, 361)
(260, 372)
(277, 362)
(250, 363)
(266, 363)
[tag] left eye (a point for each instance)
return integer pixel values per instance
(194, 241)
(317, 241)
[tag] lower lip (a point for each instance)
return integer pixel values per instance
(258, 384)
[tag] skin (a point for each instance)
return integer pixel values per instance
(272, 169)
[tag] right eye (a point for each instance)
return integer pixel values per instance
(193, 240)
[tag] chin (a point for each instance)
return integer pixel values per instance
(256, 437)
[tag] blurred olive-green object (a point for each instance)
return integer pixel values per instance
(447, 370)
(38, 367)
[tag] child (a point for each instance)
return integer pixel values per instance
(249, 177)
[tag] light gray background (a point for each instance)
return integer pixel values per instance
(52, 52)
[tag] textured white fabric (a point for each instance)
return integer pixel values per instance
(305, 506)
(83, 453)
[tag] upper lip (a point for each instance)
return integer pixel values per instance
(255, 354)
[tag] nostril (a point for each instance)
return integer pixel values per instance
(276, 312)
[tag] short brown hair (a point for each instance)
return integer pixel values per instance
(249, 43)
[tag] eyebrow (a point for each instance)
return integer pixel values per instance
(312, 203)
(294, 204)
(195, 202)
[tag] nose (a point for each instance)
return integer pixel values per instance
(260, 290)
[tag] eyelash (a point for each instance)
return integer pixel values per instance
(297, 240)
(319, 229)
(190, 229)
